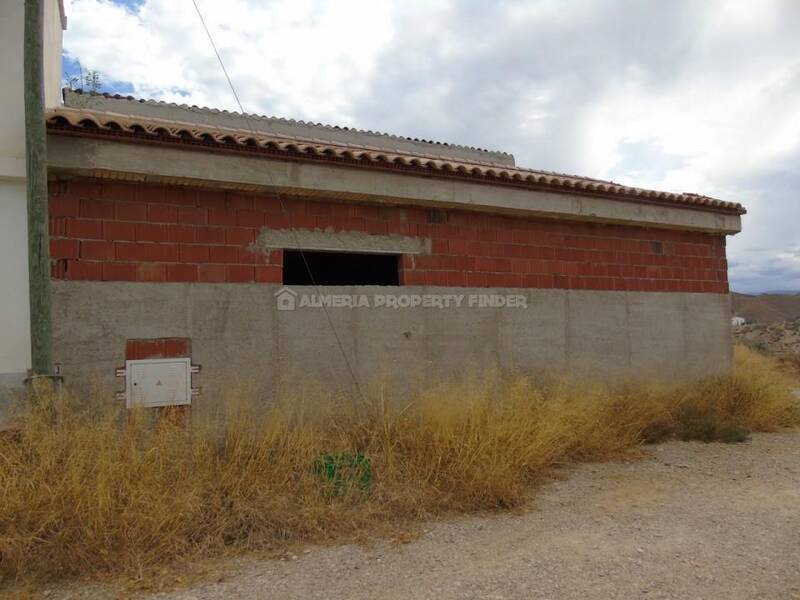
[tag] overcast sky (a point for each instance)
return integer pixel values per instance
(678, 95)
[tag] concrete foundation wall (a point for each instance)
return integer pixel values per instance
(237, 332)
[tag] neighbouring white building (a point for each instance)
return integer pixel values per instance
(15, 353)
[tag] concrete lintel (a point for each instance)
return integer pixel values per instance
(128, 161)
(341, 241)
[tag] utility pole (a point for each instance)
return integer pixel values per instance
(36, 167)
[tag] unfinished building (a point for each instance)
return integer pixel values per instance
(264, 248)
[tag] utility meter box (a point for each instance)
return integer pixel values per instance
(158, 382)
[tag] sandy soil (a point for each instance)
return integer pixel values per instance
(692, 521)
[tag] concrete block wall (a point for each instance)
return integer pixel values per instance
(239, 336)
(105, 231)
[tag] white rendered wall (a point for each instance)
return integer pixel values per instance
(15, 347)
(54, 25)
(12, 125)
(14, 309)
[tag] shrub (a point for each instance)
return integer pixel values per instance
(759, 346)
(756, 396)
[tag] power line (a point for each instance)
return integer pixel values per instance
(219, 58)
(283, 206)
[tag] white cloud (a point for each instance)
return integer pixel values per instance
(305, 58)
(678, 95)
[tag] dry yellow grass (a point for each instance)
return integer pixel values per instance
(89, 490)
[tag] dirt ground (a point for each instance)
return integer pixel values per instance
(691, 521)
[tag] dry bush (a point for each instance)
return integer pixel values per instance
(791, 362)
(757, 396)
(88, 489)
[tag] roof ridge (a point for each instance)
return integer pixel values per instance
(284, 120)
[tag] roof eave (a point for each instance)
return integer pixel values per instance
(82, 154)
(74, 122)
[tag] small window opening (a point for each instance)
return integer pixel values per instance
(658, 247)
(340, 268)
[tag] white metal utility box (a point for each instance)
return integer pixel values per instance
(158, 382)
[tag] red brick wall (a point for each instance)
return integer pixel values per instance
(158, 348)
(135, 232)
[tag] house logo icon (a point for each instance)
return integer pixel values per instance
(285, 298)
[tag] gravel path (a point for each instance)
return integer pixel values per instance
(692, 521)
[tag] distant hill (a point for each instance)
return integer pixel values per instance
(767, 308)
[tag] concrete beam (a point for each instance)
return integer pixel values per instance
(140, 162)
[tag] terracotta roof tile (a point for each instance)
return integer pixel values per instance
(70, 102)
(102, 123)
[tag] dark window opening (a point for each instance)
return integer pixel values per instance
(340, 268)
